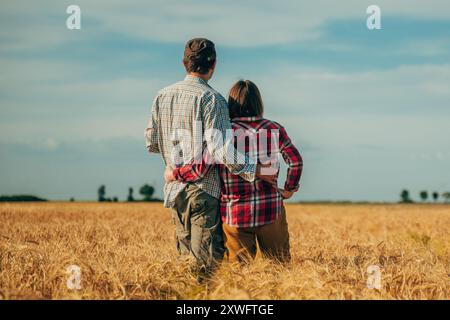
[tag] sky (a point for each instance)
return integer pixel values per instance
(368, 109)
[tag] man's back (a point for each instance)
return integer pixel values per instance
(180, 114)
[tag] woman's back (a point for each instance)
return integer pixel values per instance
(250, 204)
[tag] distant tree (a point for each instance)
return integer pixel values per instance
(130, 195)
(20, 198)
(72, 199)
(424, 195)
(101, 193)
(147, 191)
(435, 196)
(446, 196)
(115, 199)
(405, 197)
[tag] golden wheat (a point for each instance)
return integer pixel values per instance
(127, 251)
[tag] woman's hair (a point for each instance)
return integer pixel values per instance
(245, 100)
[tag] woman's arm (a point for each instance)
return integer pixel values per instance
(194, 172)
(293, 159)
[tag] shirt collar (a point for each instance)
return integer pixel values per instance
(247, 119)
(196, 79)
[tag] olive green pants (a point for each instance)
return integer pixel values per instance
(196, 215)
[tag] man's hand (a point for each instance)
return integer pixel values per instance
(265, 173)
(285, 194)
(168, 174)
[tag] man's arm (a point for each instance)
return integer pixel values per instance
(220, 144)
(220, 148)
(151, 132)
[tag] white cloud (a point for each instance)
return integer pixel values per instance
(431, 156)
(412, 89)
(405, 106)
(249, 23)
(230, 23)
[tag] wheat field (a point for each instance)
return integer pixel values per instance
(127, 251)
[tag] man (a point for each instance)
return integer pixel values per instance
(185, 115)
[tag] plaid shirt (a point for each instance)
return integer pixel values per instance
(251, 204)
(180, 108)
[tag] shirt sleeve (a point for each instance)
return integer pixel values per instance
(194, 172)
(220, 139)
(293, 159)
(151, 132)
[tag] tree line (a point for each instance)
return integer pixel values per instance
(21, 198)
(146, 191)
(424, 195)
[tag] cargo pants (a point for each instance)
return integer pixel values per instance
(196, 216)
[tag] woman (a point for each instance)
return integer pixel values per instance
(253, 212)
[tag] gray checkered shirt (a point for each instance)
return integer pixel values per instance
(184, 105)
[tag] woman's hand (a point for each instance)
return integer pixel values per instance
(285, 194)
(266, 173)
(168, 175)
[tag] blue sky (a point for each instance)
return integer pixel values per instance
(369, 110)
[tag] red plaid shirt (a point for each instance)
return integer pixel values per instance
(251, 204)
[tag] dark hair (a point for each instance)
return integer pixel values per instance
(199, 55)
(245, 100)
